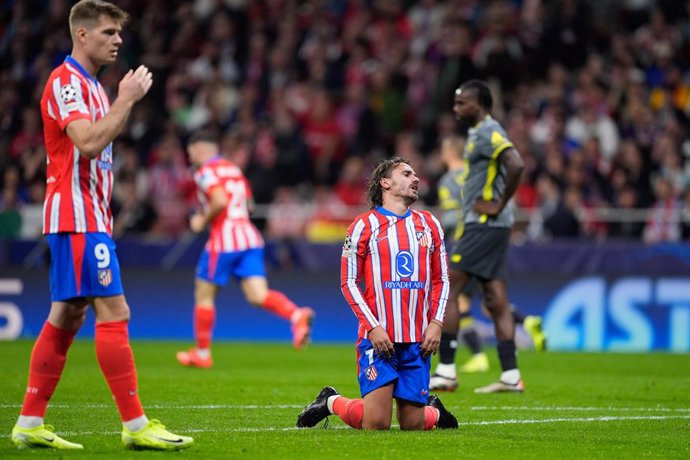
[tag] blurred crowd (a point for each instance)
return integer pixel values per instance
(308, 95)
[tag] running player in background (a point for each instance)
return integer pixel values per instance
(79, 127)
(234, 248)
(450, 201)
(399, 256)
(493, 172)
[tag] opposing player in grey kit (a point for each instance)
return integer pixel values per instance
(493, 170)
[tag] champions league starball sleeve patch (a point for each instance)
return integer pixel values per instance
(68, 94)
(206, 179)
(347, 246)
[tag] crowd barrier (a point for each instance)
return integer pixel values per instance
(602, 296)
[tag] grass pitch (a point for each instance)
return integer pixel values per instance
(579, 405)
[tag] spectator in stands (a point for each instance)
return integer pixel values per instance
(557, 214)
(323, 138)
(663, 223)
(30, 136)
(498, 53)
(133, 213)
(685, 215)
(169, 186)
(626, 226)
(351, 182)
(10, 201)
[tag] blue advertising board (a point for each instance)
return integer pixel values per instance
(632, 298)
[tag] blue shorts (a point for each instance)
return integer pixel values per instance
(406, 367)
(217, 268)
(83, 265)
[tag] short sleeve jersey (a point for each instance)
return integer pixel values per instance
(231, 230)
(78, 189)
(485, 175)
(401, 260)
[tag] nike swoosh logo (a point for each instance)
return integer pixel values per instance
(177, 441)
(48, 439)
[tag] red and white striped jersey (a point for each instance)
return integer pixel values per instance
(231, 230)
(402, 262)
(78, 190)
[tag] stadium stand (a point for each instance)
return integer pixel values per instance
(308, 95)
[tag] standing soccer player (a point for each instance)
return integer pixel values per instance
(79, 126)
(450, 200)
(450, 193)
(493, 173)
(400, 257)
(234, 248)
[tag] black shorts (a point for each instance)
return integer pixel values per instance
(481, 252)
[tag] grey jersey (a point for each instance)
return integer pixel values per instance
(450, 199)
(485, 175)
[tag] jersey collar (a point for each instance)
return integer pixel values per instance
(73, 62)
(213, 159)
(479, 123)
(386, 212)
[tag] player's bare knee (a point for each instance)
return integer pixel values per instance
(411, 425)
(77, 317)
(123, 313)
(376, 424)
(492, 307)
(113, 313)
(256, 298)
(71, 321)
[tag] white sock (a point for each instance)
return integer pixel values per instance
(203, 352)
(511, 377)
(28, 421)
(330, 401)
(297, 314)
(446, 370)
(136, 424)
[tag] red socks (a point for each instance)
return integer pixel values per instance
(114, 356)
(431, 416)
(204, 319)
(350, 411)
(117, 364)
(278, 303)
(45, 368)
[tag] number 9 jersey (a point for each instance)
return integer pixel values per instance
(231, 230)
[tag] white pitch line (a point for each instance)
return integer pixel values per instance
(301, 406)
(575, 408)
(582, 419)
(341, 427)
(169, 406)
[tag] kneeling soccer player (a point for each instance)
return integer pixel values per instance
(399, 255)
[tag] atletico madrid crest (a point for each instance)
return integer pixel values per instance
(424, 238)
(371, 373)
(105, 277)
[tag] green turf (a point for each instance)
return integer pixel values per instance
(575, 406)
